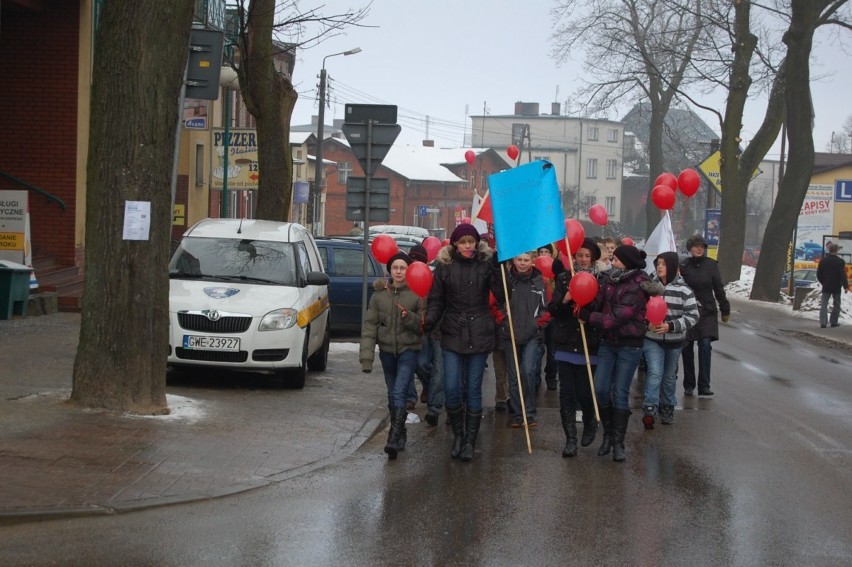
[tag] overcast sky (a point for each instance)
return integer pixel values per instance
(447, 59)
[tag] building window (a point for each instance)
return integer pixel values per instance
(612, 135)
(611, 169)
(592, 133)
(545, 158)
(344, 170)
(610, 206)
(199, 165)
(517, 133)
(473, 178)
(592, 168)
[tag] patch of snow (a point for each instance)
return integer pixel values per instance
(337, 347)
(741, 289)
(182, 408)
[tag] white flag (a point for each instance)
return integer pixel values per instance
(661, 240)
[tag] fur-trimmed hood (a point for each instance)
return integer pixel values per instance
(448, 254)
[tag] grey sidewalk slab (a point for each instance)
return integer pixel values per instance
(226, 433)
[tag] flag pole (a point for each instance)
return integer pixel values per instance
(585, 342)
(515, 356)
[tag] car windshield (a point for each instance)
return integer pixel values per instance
(256, 261)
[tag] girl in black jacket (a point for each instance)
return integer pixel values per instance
(574, 388)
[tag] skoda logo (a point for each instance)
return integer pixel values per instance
(213, 315)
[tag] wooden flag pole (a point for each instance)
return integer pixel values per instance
(515, 355)
(585, 343)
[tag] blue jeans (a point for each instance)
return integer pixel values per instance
(704, 350)
(399, 373)
(835, 308)
(661, 373)
(430, 367)
(528, 355)
(614, 373)
(463, 379)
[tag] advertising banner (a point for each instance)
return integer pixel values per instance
(241, 156)
(815, 220)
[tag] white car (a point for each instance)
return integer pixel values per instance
(249, 295)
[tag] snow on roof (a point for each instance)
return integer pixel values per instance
(421, 163)
(299, 138)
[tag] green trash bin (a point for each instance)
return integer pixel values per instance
(14, 289)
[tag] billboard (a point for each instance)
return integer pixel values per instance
(241, 158)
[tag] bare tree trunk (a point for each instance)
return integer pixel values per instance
(270, 97)
(655, 159)
(799, 118)
(140, 57)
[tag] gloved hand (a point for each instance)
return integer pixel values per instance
(584, 314)
(725, 318)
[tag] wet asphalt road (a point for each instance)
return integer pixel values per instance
(760, 474)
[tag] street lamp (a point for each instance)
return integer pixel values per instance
(320, 126)
(227, 78)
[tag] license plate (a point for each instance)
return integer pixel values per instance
(211, 343)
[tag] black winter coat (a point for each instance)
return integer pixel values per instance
(702, 275)
(831, 273)
(459, 300)
(564, 326)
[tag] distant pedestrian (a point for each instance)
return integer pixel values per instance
(702, 275)
(393, 322)
(464, 275)
(355, 230)
(831, 273)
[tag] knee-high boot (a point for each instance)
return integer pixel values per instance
(590, 426)
(397, 423)
(569, 426)
(473, 421)
(620, 418)
(456, 418)
(606, 421)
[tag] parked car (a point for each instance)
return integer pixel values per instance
(810, 251)
(750, 256)
(249, 295)
(803, 277)
(344, 263)
(417, 233)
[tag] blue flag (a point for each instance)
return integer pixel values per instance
(527, 208)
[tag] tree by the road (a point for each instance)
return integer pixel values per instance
(141, 50)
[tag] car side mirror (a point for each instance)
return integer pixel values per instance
(317, 278)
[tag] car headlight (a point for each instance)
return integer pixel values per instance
(278, 320)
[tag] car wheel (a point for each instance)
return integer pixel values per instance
(295, 377)
(319, 360)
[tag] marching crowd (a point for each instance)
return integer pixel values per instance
(591, 349)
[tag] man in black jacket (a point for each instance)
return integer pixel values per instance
(831, 273)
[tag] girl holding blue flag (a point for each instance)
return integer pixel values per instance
(463, 278)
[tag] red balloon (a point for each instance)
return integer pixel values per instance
(655, 309)
(513, 151)
(667, 179)
(575, 233)
(432, 246)
(418, 276)
(598, 215)
(628, 241)
(688, 182)
(470, 156)
(545, 266)
(583, 288)
(383, 248)
(663, 197)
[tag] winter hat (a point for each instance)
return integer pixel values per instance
(464, 229)
(548, 247)
(418, 254)
(671, 259)
(398, 256)
(590, 245)
(694, 240)
(630, 256)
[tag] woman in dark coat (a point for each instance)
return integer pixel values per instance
(574, 388)
(464, 275)
(702, 275)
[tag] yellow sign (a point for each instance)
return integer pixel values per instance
(179, 215)
(12, 241)
(711, 169)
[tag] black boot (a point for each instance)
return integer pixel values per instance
(620, 418)
(569, 426)
(606, 421)
(590, 427)
(666, 415)
(473, 421)
(456, 418)
(397, 422)
(403, 435)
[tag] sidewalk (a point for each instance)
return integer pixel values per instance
(225, 435)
